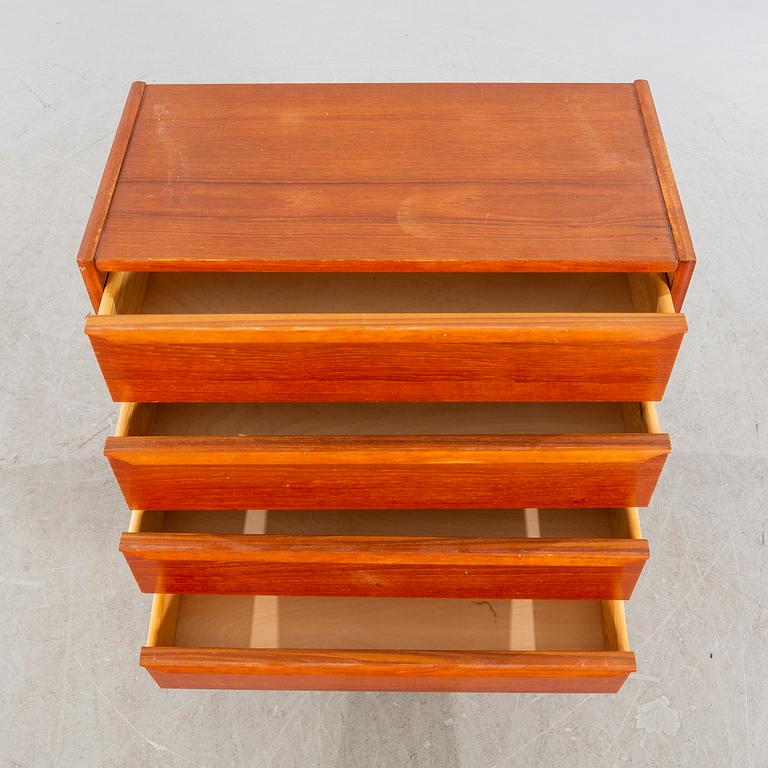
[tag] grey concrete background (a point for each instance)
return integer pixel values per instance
(72, 619)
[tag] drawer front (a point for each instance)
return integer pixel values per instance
(482, 357)
(294, 669)
(197, 641)
(387, 472)
(385, 566)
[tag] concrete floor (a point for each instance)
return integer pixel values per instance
(72, 619)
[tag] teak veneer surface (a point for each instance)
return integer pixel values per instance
(579, 554)
(569, 190)
(180, 337)
(387, 456)
(408, 671)
(388, 177)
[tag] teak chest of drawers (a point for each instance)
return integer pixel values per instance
(387, 356)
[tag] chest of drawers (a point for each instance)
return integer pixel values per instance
(387, 357)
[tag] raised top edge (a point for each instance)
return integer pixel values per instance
(381, 177)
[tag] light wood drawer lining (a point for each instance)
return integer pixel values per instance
(237, 419)
(235, 621)
(606, 523)
(374, 293)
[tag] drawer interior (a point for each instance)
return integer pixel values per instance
(158, 293)
(199, 419)
(235, 621)
(530, 523)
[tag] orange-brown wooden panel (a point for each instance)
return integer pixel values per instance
(414, 227)
(490, 357)
(467, 176)
(387, 472)
(385, 566)
(351, 670)
(421, 131)
(420, 226)
(388, 177)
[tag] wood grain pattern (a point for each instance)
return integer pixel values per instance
(447, 357)
(93, 276)
(388, 177)
(123, 293)
(680, 233)
(615, 625)
(331, 337)
(384, 566)
(163, 620)
(681, 280)
(350, 670)
(135, 419)
(625, 523)
(380, 472)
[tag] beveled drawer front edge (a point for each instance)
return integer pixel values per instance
(385, 566)
(454, 359)
(213, 642)
(393, 472)
(350, 670)
(404, 355)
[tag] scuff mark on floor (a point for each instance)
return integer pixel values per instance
(658, 717)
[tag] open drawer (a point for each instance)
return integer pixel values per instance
(452, 337)
(398, 644)
(512, 553)
(386, 455)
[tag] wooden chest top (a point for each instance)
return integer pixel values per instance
(388, 177)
